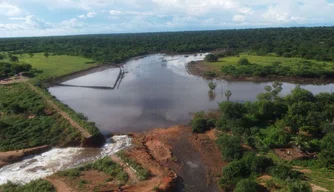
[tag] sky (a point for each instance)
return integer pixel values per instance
(20, 18)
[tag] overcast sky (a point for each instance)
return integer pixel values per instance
(68, 17)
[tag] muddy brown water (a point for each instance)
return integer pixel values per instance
(157, 91)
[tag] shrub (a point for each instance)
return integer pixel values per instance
(284, 172)
(246, 185)
(34, 186)
(243, 61)
(210, 74)
(299, 186)
(232, 174)
(200, 123)
(230, 147)
(211, 58)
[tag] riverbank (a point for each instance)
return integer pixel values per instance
(200, 68)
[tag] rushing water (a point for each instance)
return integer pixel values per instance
(157, 91)
(40, 166)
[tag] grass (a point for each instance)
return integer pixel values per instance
(260, 60)
(34, 186)
(55, 66)
(321, 177)
(105, 165)
(141, 172)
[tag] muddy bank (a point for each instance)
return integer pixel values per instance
(10, 157)
(199, 68)
(77, 74)
(193, 157)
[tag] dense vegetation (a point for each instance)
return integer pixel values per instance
(34, 186)
(311, 43)
(10, 69)
(26, 120)
(249, 64)
(303, 69)
(105, 165)
(299, 119)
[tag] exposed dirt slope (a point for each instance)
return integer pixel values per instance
(194, 157)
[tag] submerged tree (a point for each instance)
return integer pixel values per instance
(228, 94)
(212, 86)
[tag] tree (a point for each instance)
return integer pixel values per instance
(14, 58)
(246, 185)
(228, 94)
(212, 86)
(243, 61)
(326, 156)
(211, 58)
(46, 55)
(230, 147)
(199, 123)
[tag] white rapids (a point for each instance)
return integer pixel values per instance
(48, 163)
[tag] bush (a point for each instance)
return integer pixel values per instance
(299, 186)
(243, 61)
(246, 185)
(232, 174)
(200, 123)
(284, 172)
(34, 186)
(230, 147)
(211, 58)
(210, 74)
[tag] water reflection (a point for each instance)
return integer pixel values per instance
(157, 91)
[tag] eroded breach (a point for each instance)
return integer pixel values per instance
(48, 163)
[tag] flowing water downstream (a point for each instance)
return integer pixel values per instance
(48, 163)
(156, 91)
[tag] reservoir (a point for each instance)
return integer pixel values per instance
(156, 91)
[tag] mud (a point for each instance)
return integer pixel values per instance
(193, 157)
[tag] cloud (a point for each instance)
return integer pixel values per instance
(238, 18)
(108, 16)
(91, 14)
(88, 15)
(72, 23)
(9, 9)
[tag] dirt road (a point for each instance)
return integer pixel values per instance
(82, 130)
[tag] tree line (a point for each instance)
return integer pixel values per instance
(300, 119)
(310, 43)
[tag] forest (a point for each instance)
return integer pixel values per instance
(299, 119)
(309, 43)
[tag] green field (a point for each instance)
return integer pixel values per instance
(55, 66)
(270, 65)
(262, 60)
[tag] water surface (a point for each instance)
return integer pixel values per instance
(157, 91)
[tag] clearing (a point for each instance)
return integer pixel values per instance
(56, 65)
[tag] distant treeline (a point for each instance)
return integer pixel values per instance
(310, 43)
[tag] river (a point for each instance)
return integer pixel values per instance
(157, 91)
